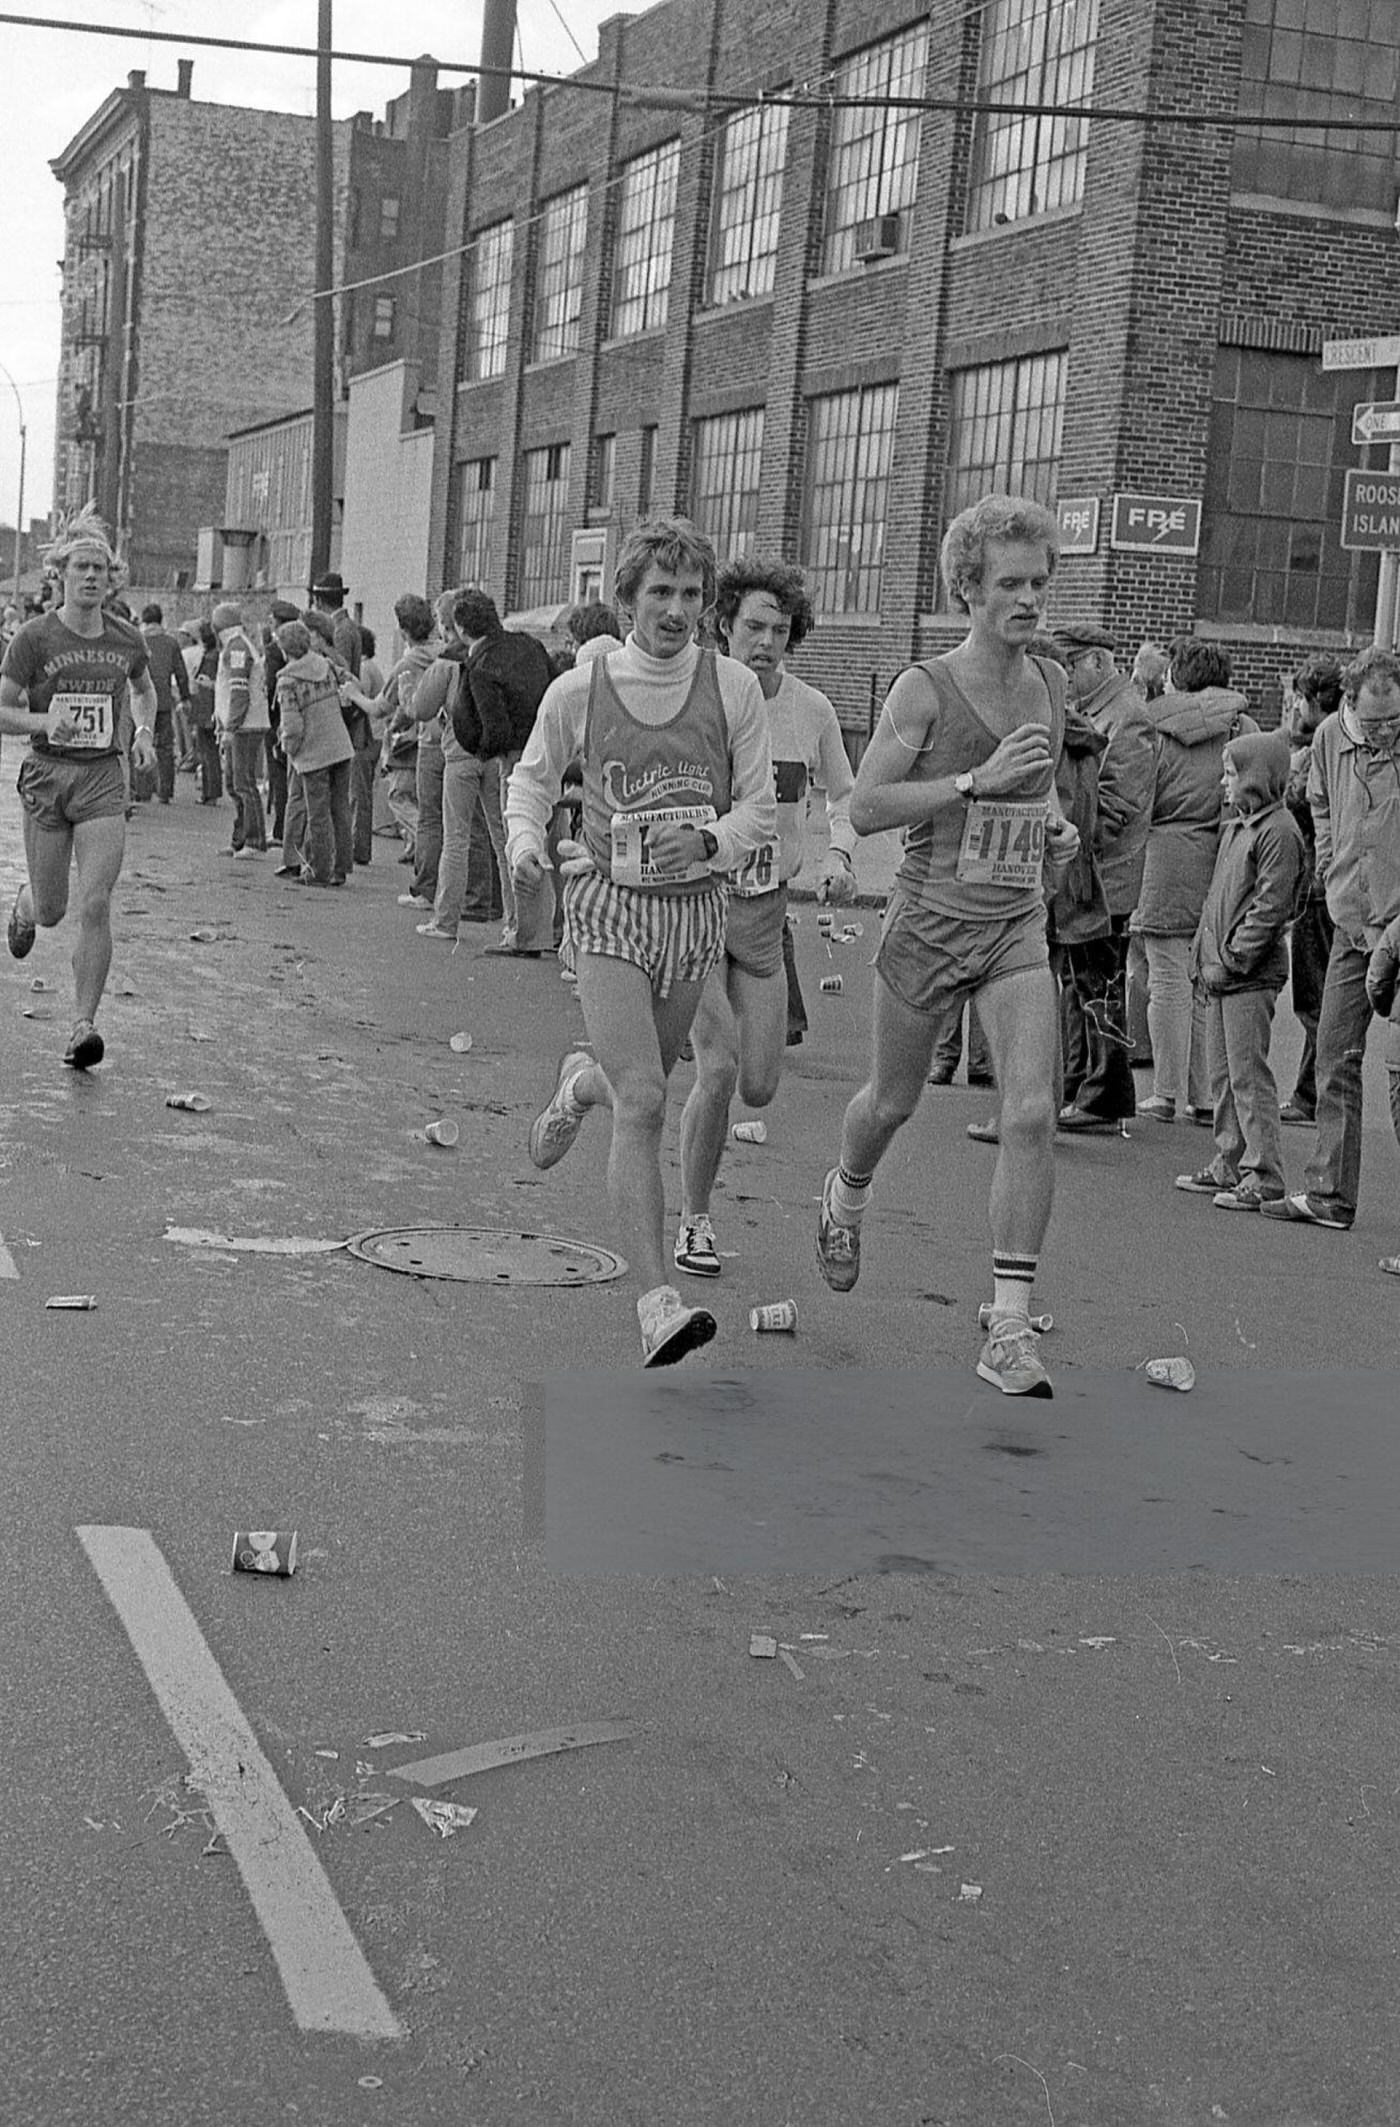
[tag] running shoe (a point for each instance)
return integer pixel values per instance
(1207, 1181)
(696, 1253)
(19, 932)
(670, 1329)
(1158, 1107)
(1011, 1358)
(1245, 1196)
(414, 901)
(1305, 1210)
(557, 1125)
(85, 1047)
(838, 1247)
(988, 1133)
(429, 930)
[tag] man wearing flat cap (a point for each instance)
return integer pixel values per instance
(1127, 767)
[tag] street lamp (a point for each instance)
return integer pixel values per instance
(19, 507)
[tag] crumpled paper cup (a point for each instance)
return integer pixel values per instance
(1171, 1373)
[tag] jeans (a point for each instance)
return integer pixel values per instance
(329, 845)
(1247, 1133)
(207, 757)
(1098, 1078)
(797, 1021)
(465, 778)
(427, 842)
(1309, 945)
(164, 736)
(363, 769)
(402, 784)
(276, 791)
(248, 750)
(294, 820)
(1333, 1174)
(1176, 1021)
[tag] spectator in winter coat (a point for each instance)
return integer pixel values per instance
(1239, 957)
(400, 748)
(171, 682)
(1354, 792)
(1126, 780)
(1195, 717)
(1317, 691)
(240, 709)
(319, 753)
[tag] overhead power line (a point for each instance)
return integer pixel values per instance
(702, 101)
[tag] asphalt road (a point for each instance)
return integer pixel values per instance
(1069, 1795)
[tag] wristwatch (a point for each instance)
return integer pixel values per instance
(709, 842)
(965, 784)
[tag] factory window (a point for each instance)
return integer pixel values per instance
(488, 302)
(1004, 430)
(604, 471)
(383, 326)
(850, 442)
(1033, 52)
(563, 223)
(388, 218)
(725, 479)
(874, 164)
(1319, 59)
(748, 198)
(1280, 446)
(476, 509)
(646, 221)
(544, 531)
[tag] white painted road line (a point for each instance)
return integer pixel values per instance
(329, 1983)
(7, 1261)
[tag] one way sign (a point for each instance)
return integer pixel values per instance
(1378, 422)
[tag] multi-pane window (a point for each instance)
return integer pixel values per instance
(559, 275)
(383, 326)
(476, 508)
(1033, 52)
(1004, 430)
(544, 530)
(488, 301)
(748, 197)
(603, 485)
(1319, 59)
(646, 222)
(850, 441)
(874, 164)
(1280, 445)
(724, 481)
(388, 218)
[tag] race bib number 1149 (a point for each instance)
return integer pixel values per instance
(1003, 843)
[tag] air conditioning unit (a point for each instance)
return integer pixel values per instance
(877, 238)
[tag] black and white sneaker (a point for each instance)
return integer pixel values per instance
(85, 1047)
(696, 1253)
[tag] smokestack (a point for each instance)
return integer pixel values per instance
(136, 79)
(184, 74)
(497, 45)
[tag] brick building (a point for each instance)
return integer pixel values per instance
(187, 276)
(821, 330)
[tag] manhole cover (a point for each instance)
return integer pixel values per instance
(476, 1255)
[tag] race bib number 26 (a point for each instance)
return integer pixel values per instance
(82, 722)
(1003, 843)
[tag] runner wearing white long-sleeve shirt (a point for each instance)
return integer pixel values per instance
(677, 791)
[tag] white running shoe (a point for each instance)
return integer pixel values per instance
(670, 1329)
(696, 1253)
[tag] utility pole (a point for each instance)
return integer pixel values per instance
(323, 311)
(19, 507)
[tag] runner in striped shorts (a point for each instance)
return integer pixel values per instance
(677, 790)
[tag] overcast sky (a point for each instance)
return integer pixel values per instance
(55, 81)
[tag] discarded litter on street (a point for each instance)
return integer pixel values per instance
(752, 1133)
(442, 1133)
(1171, 1373)
(74, 1302)
(832, 985)
(444, 1818)
(461, 1043)
(270, 1551)
(389, 1736)
(763, 1645)
(792, 1664)
(969, 1893)
(196, 1103)
(510, 1750)
(778, 1315)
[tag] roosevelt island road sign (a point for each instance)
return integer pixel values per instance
(1371, 512)
(1155, 524)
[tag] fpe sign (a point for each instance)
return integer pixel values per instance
(1371, 512)
(1155, 524)
(1079, 523)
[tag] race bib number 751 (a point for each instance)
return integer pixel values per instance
(82, 722)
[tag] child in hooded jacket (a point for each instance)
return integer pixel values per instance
(1239, 959)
